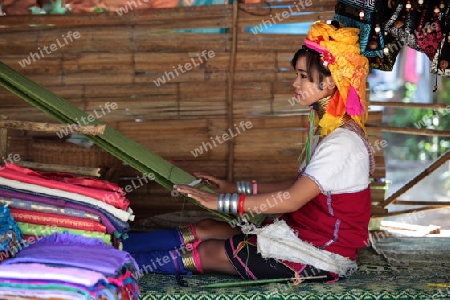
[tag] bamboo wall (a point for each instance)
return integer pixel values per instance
(116, 59)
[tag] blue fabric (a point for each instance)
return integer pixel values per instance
(167, 262)
(153, 240)
(10, 234)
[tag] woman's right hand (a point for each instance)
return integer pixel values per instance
(222, 185)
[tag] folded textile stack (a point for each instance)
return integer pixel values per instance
(43, 203)
(69, 266)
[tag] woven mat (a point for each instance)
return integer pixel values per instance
(375, 280)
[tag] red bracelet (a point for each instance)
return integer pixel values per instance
(241, 204)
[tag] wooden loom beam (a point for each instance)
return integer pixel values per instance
(83, 171)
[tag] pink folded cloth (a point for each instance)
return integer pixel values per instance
(101, 190)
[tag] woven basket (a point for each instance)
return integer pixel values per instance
(65, 153)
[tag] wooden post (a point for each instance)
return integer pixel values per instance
(230, 110)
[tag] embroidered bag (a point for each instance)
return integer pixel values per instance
(429, 34)
(369, 5)
(10, 234)
(440, 64)
(386, 61)
(363, 14)
(402, 24)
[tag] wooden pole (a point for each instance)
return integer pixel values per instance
(426, 132)
(230, 110)
(440, 161)
(47, 127)
(405, 212)
(410, 105)
(83, 171)
(430, 203)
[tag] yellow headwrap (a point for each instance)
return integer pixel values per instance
(340, 51)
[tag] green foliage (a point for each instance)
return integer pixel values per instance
(417, 147)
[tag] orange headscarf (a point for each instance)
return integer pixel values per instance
(340, 51)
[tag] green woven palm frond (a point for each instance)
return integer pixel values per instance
(125, 149)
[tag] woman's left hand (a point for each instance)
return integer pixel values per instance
(208, 200)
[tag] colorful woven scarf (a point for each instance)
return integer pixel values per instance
(340, 52)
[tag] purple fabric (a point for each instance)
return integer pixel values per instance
(75, 251)
(60, 202)
(42, 272)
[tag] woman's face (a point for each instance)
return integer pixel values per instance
(308, 92)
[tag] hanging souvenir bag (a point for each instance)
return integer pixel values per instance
(369, 5)
(403, 23)
(386, 61)
(363, 14)
(429, 33)
(441, 61)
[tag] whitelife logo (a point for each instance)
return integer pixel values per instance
(225, 136)
(187, 67)
(281, 16)
(53, 47)
(86, 121)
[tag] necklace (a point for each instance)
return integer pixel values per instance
(319, 108)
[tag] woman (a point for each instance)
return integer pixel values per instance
(325, 211)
